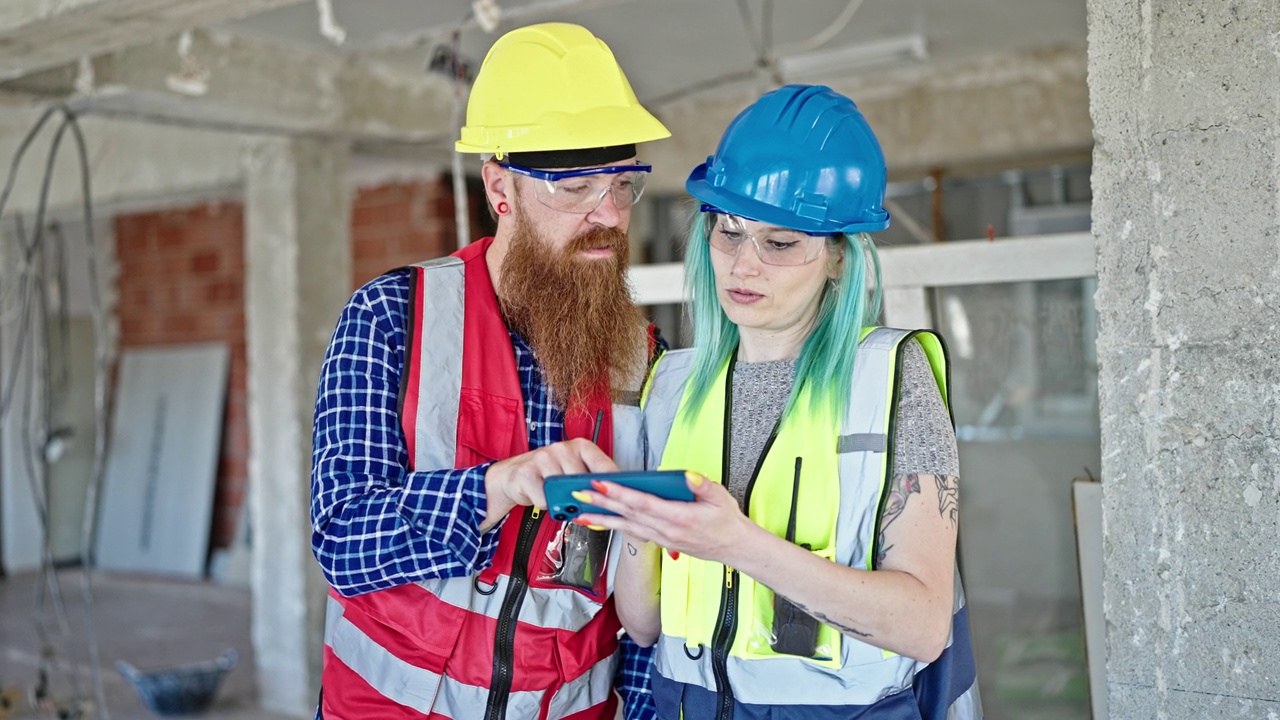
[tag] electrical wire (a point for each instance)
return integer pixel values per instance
(823, 36)
(34, 345)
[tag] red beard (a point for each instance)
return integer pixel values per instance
(576, 313)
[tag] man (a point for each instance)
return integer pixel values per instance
(452, 389)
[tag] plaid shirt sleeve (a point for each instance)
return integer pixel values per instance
(375, 524)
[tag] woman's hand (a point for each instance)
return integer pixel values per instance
(711, 527)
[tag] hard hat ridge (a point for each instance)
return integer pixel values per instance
(801, 157)
(553, 87)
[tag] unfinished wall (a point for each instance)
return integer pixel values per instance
(1185, 98)
(182, 281)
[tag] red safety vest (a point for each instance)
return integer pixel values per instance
(436, 648)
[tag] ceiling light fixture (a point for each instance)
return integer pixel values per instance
(853, 58)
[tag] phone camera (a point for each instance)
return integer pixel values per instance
(571, 509)
(561, 517)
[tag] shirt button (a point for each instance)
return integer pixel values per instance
(533, 426)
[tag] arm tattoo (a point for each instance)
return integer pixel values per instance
(631, 550)
(903, 487)
(846, 629)
(948, 497)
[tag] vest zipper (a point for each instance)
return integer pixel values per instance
(505, 637)
(727, 625)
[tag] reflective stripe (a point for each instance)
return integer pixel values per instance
(586, 691)
(439, 336)
(468, 702)
(392, 677)
(559, 608)
(968, 706)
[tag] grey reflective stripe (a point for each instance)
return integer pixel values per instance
(439, 352)
(627, 429)
(590, 689)
(468, 702)
(660, 408)
(863, 442)
(392, 677)
(559, 608)
(790, 681)
(862, 472)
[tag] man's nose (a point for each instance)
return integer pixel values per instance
(606, 213)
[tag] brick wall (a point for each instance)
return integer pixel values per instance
(182, 280)
(397, 224)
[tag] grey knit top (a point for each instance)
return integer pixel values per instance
(924, 443)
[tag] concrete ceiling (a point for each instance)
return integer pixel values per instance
(676, 48)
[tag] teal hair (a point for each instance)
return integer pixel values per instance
(825, 365)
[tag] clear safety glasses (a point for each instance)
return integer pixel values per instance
(582, 191)
(774, 245)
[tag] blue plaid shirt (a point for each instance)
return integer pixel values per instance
(375, 524)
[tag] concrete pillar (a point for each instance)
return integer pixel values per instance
(1185, 100)
(297, 230)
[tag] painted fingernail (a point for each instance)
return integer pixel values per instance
(597, 527)
(580, 521)
(581, 497)
(600, 487)
(674, 555)
(693, 477)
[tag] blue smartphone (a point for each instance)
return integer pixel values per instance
(666, 484)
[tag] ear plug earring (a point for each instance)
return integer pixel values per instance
(503, 208)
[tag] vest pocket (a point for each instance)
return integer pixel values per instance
(771, 636)
(486, 426)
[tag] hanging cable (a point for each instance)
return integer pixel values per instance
(830, 31)
(33, 347)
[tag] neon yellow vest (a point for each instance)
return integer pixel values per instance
(844, 467)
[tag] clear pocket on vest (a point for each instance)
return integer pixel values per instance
(578, 558)
(779, 628)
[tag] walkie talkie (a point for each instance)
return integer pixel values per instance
(795, 632)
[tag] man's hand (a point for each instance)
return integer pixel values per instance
(518, 480)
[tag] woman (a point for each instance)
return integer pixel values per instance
(814, 573)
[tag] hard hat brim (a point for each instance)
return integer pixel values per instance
(758, 211)
(597, 127)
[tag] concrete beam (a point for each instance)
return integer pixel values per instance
(40, 34)
(992, 111)
(219, 81)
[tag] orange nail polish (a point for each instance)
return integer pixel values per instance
(580, 521)
(599, 487)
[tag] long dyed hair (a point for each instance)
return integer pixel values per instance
(825, 365)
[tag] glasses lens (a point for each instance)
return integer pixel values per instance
(774, 246)
(584, 193)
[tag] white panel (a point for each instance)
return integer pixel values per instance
(658, 284)
(158, 492)
(1088, 509)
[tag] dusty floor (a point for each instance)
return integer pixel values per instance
(147, 622)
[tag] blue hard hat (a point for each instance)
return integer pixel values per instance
(801, 157)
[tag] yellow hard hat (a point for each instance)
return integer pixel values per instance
(553, 86)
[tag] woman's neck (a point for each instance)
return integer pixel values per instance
(755, 346)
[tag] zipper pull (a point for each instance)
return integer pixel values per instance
(728, 577)
(537, 512)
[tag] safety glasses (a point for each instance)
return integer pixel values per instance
(582, 191)
(774, 245)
